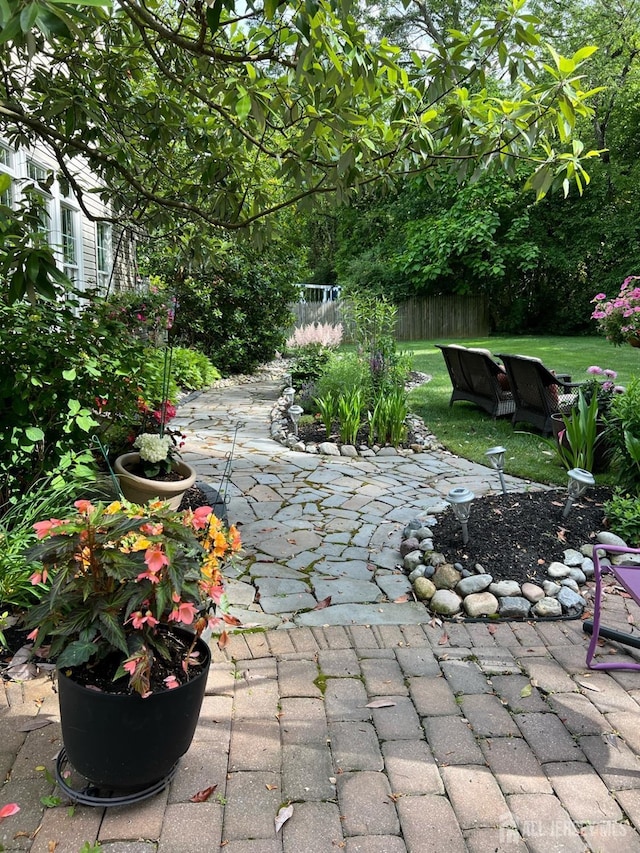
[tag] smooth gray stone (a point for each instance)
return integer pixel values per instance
(446, 602)
(446, 577)
(418, 572)
(607, 538)
(548, 607)
(515, 606)
(481, 604)
(426, 545)
(578, 575)
(570, 601)
(551, 588)
(569, 583)
(572, 558)
(423, 533)
(410, 613)
(357, 570)
(412, 560)
(473, 584)
(506, 588)
(410, 544)
(328, 448)
(588, 568)
(558, 570)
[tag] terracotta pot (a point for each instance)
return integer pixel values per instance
(140, 489)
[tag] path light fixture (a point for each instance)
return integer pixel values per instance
(294, 413)
(496, 457)
(460, 500)
(289, 394)
(579, 482)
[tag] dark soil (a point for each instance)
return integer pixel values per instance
(315, 433)
(517, 536)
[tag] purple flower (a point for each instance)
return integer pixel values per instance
(610, 374)
(595, 370)
(599, 297)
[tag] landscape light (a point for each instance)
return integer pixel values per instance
(460, 500)
(294, 413)
(289, 394)
(579, 482)
(496, 457)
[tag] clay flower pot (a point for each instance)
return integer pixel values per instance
(140, 489)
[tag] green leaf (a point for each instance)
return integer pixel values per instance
(76, 653)
(34, 434)
(69, 375)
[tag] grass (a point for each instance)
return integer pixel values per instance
(468, 431)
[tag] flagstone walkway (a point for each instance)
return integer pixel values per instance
(316, 528)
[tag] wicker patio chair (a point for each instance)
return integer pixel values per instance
(477, 378)
(538, 393)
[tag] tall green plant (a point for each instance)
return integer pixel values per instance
(350, 406)
(624, 431)
(387, 421)
(328, 408)
(581, 432)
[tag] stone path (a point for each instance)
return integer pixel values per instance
(385, 732)
(317, 527)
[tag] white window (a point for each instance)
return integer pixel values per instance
(7, 197)
(38, 175)
(104, 255)
(70, 242)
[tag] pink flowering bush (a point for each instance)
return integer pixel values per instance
(320, 334)
(601, 382)
(118, 574)
(619, 318)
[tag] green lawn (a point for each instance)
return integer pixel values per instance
(469, 431)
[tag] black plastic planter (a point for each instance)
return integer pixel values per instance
(125, 742)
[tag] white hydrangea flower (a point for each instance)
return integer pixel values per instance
(153, 448)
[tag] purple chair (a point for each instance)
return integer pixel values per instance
(627, 576)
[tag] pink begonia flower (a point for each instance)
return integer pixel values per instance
(130, 666)
(39, 577)
(598, 315)
(184, 612)
(152, 529)
(155, 558)
(171, 681)
(619, 389)
(8, 810)
(610, 374)
(201, 517)
(45, 528)
(148, 575)
(32, 635)
(595, 370)
(599, 297)
(138, 619)
(85, 507)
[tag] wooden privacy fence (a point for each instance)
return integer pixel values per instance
(425, 318)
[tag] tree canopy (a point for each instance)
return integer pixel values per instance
(224, 112)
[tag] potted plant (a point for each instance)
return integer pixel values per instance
(619, 318)
(131, 589)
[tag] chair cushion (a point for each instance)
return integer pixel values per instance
(503, 379)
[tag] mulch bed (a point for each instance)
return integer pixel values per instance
(517, 536)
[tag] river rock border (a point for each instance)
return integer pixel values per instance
(281, 426)
(448, 589)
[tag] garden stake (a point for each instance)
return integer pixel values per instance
(105, 452)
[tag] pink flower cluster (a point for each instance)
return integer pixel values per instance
(321, 334)
(619, 318)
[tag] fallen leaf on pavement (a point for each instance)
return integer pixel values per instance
(324, 603)
(35, 723)
(380, 703)
(203, 796)
(283, 816)
(444, 639)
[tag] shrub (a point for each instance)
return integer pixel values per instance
(344, 372)
(309, 364)
(619, 318)
(623, 515)
(192, 370)
(624, 436)
(62, 371)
